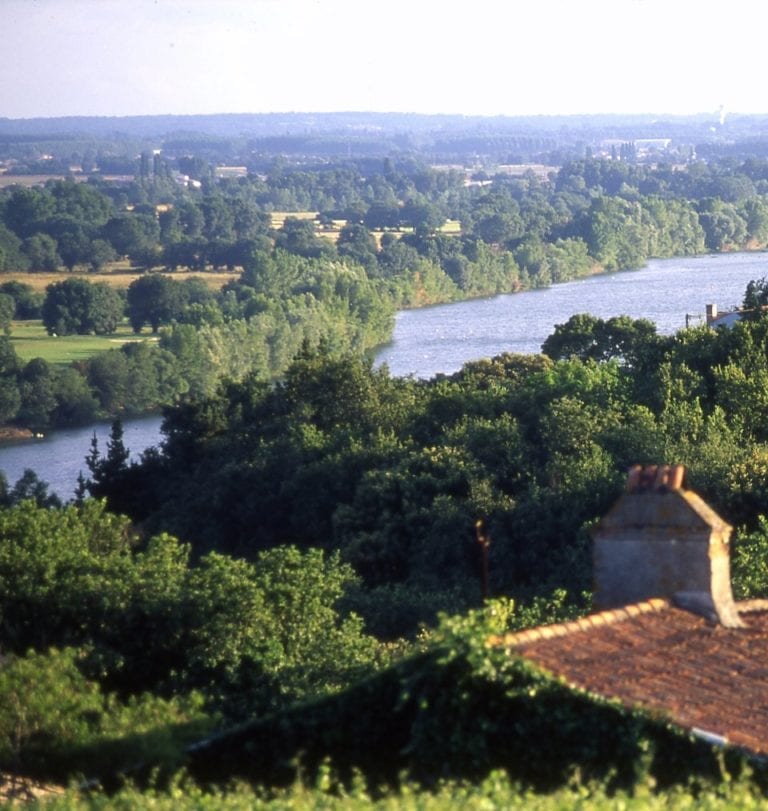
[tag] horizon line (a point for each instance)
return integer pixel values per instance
(650, 114)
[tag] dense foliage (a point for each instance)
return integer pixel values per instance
(329, 512)
(258, 634)
(393, 474)
(340, 488)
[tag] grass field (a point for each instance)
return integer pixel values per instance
(451, 227)
(119, 275)
(278, 218)
(30, 340)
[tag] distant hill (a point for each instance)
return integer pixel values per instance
(272, 124)
(255, 138)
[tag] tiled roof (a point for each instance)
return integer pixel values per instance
(652, 655)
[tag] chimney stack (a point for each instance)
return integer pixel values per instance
(660, 540)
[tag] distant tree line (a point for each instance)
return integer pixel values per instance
(610, 213)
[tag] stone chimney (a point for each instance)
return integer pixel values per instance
(660, 540)
(711, 314)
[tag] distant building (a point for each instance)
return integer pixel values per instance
(725, 319)
(187, 181)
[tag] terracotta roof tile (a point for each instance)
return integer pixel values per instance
(666, 660)
(582, 624)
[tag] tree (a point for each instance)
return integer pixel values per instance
(298, 236)
(42, 252)
(111, 467)
(419, 211)
(28, 302)
(756, 298)
(26, 209)
(109, 378)
(589, 338)
(356, 242)
(29, 487)
(130, 234)
(100, 253)
(155, 300)
(395, 257)
(382, 215)
(81, 202)
(219, 220)
(154, 377)
(189, 253)
(616, 232)
(72, 240)
(723, 226)
(78, 306)
(11, 254)
(7, 311)
(498, 227)
(10, 399)
(755, 211)
(75, 403)
(37, 386)
(249, 220)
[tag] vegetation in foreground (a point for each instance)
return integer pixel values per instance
(347, 501)
(496, 791)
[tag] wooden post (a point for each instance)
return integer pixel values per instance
(484, 541)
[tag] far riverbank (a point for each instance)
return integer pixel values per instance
(441, 339)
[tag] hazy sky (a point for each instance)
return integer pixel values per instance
(132, 57)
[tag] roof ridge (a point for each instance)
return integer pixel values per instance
(608, 617)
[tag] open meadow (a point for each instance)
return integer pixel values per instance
(30, 340)
(117, 274)
(332, 231)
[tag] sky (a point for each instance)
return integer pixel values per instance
(472, 57)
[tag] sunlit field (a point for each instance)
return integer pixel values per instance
(117, 274)
(30, 340)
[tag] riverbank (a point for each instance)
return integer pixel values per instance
(441, 295)
(10, 435)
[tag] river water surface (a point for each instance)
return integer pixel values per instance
(59, 457)
(441, 339)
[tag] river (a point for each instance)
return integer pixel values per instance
(442, 338)
(59, 457)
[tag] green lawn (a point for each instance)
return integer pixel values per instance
(30, 340)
